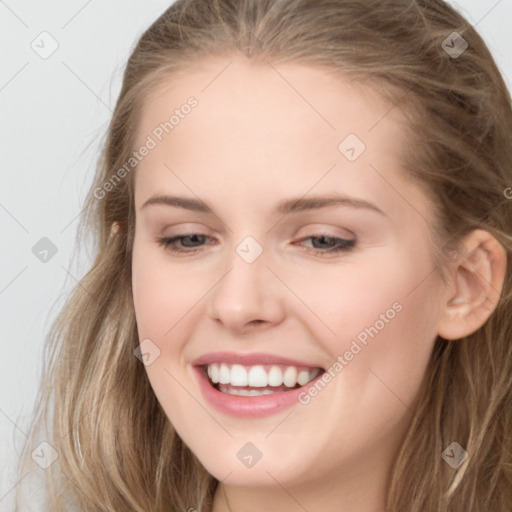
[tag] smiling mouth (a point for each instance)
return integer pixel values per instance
(257, 380)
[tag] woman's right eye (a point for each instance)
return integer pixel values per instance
(170, 243)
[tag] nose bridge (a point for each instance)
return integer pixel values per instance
(248, 291)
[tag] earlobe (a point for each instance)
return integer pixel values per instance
(477, 281)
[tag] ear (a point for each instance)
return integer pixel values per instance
(477, 277)
(114, 228)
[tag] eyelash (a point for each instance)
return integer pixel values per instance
(343, 245)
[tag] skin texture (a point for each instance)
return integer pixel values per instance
(261, 134)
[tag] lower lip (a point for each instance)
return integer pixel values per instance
(249, 406)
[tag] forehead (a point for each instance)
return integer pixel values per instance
(273, 95)
(256, 126)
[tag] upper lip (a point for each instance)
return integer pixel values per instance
(248, 359)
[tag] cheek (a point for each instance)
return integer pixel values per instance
(349, 298)
(162, 293)
(164, 299)
(385, 320)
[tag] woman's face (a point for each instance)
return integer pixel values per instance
(256, 279)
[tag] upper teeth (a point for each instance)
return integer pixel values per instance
(260, 375)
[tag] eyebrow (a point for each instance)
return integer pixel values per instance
(284, 207)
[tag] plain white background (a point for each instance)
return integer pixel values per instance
(54, 115)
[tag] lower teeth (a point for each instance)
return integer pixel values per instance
(247, 392)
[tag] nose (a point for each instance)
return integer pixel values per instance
(248, 297)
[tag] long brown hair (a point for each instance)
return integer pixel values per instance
(116, 449)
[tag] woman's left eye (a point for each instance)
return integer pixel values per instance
(330, 244)
(193, 241)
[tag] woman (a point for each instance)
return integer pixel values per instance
(301, 298)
